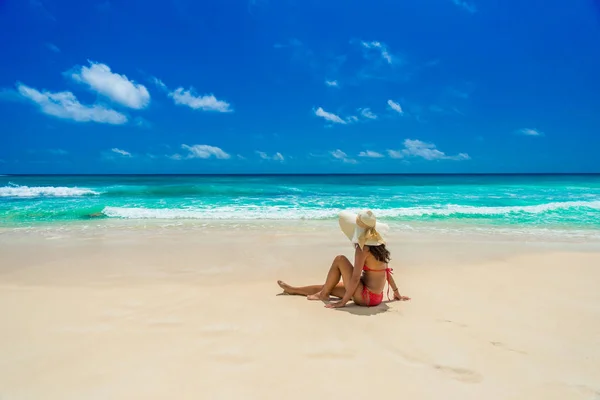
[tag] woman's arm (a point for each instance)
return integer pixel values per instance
(359, 261)
(394, 287)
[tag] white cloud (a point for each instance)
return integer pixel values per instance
(116, 87)
(121, 152)
(466, 6)
(329, 116)
(367, 113)
(332, 83)
(175, 157)
(530, 132)
(340, 155)
(382, 48)
(427, 151)
(352, 118)
(180, 96)
(395, 154)
(207, 102)
(65, 105)
(395, 106)
(277, 157)
(52, 47)
(205, 151)
(370, 154)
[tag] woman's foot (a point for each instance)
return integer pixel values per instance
(287, 289)
(318, 296)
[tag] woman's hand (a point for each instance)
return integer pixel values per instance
(400, 298)
(338, 304)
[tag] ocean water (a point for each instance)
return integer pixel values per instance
(559, 203)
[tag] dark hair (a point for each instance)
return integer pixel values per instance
(380, 253)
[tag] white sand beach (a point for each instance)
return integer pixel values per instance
(180, 313)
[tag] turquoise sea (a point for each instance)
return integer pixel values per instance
(550, 202)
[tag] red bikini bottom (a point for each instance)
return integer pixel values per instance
(372, 299)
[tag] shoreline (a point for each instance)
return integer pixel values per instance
(421, 230)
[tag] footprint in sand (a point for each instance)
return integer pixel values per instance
(453, 322)
(502, 345)
(460, 374)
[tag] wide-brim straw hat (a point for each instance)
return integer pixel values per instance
(362, 228)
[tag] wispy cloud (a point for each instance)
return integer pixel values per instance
(142, 123)
(58, 152)
(379, 47)
(427, 151)
(395, 106)
(276, 157)
(367, 113)
(121, 152)
(118, 88)
(340, 155)
(300, 54)
(370, 154)
(332, 83)
(530, 132)
(205, 151)
(207, 102)
(160, 84)
(39, 7)
(458, 93)
(465, 6)
(395, 154)
(329, 116)
(65, 105)
(52, 47)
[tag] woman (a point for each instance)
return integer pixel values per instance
(364, 281)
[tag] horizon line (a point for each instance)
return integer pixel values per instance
(323, 174)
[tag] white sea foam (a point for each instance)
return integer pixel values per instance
(454, 209)
(44, 191)
(221, 213)
(299, 213)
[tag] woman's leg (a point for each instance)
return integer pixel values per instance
(338, 291)
(340, 268)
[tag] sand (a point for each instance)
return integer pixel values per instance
(181, 313)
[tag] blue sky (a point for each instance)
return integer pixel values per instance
(182, 86)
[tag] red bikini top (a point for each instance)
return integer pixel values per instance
(387, 270)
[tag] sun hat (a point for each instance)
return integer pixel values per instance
(362, 228)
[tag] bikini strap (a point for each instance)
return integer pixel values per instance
(388, 272)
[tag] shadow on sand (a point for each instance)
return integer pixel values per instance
(365, 311)
(355, 309)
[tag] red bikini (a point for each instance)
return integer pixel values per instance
(374, 299)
